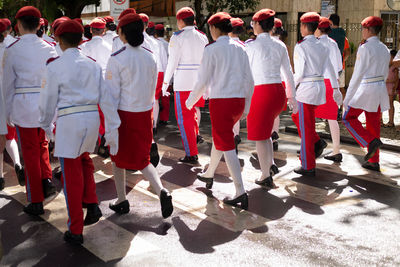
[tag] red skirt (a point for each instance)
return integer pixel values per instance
(135, 138)
(266, 104)
(201, 103)
(12, 133)
(160, 80)
(224, 113)
(285, 105)
(329, 110)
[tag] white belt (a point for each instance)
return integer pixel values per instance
(76, 109)
(373, 80)
(312, 79)
(32, 90)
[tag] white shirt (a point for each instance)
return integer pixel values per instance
(186, 49)
(48, 38)
(58, 49)
(164, 43)
(131, 75)
(9, 40)
(3, 118)
(109, 37)
(373, 59)
(75, 80)
(117, 44)
(311, 59)
(98, 49)
(334, 54)
(225, 69)
(156, 47)
(25, 67)
(269, 59)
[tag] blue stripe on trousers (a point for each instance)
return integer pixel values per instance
(303, 152)
(351, 129)
(181, 124)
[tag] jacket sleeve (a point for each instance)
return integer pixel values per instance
(360, 68)
(248, 83)
(299, 63)
(9, 78)
(331, 73)
(3, 119)
(48, 99)
(286, 70)
(174, 50)
(113, 81)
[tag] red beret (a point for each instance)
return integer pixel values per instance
(151, 24)
(46, 22)
(16, 28)
(144, 17)
(108, 19)
(372, 21)
(79, 20)
(3, 26)
(184, 12)
(58, 21)
(263, 14)
(28, 11)
(324, 23)
(218, 17)
(126, 12)
(277, 23)
(159, 27)
(98, 23)
(7, 22)
(129, 18)
(69, 26)
(41, 22)
(237, 22)
(310, 17)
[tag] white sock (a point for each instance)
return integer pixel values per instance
(215, 158)
(275, 128)
(198, 114)
(156, 111)
(152, 176)
(12, 149)
(236, 128)
(1, 164)
(233, 163)
(120, 183)
(335, 134)
(265, 157)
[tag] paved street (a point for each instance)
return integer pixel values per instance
(345, 216)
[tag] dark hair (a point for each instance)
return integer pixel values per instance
(29, 23)
(96, 31)
(189, 21)
(8, 27)
(87, 33)
(111, 26)
(283, 36)
(267, 24)
(311, 26)
(277, 31)
(375, 29)
(335, 19)
(160, 33)
(72, 39)
(393, 52)
(1, 38)
(225, 26)
(325, 30)
(134, 33)
(40, 32)
(238, 30)
(151, 31)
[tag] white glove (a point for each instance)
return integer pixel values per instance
(49, 133)
(186, 104)
(165, 90)
(346, 103)
(9, 121)
(293, 105)
(337, 96)
(112, 141)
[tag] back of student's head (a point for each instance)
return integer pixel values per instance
(70, 32)
(393, 52)
(335, 19)
(3, 29)
(132, 27)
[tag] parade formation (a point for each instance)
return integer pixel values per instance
(106, 91)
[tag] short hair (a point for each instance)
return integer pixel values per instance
(335, 19)
(111, 26)
(96, 31)
(189, 21)
(325, 30)
(238, 30)
(375, 29)
(29, 23)
(393, 52)
(224, 26)
(40, 32)
(87, 33)
(160, 33)
(134, 33)
(151, 31)
(311, 26)
(267, 24)
(1, 38)
(72, 39)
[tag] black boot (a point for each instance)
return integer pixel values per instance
(275, 145)
(373, 146)
(48, 188)
(190, 160)
(76, 240)
(274, 136)
(199, 139)
(103, 150)
(166, 203)
(319, 147)
(2, 182)
(302, 171)
(238, 140)
(93, 214)
(335, 158)
(19, 170)
(209, 181)
(242, 199)
(34, 209)
(121, 208)
(154, 156)
(373, 166)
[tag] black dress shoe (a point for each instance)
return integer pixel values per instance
(267, 182)
(19, 170)
(93, 214)
(199, 139)
(75, 240)
(242, 199)
(373, 146)
(273, 170)
(103, 150)
(209, 181)
(302, 171)
(335, 158)
(121, 208)
(274, 136)
(319, 147)
(275, 145)
(238, 140)
(154, 156)
(190, 160)
(2, 182)
(373, 166)
(166, 203)
(34, 209)
(48, 188)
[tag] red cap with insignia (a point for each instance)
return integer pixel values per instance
(277, 23)
(69, 26)
(3, 26)
(159, 27)
(184, 12)
(263, 14)
(310, 17)
(144, 17)
(151, 24)
(218, 17)
(129, 18)
(108, 19)
(126, 12)
(28, 11)
(79, 20)
(58, 21)
(324, 23)
(7, 22)
(98, 23)
(237, 22)
(372, 21)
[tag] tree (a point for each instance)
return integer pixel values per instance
(74, 8)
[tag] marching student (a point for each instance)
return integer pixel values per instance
(110, 30)
(230, 97)
(78, 122)
(23, 80)
(54, 26)
(186, 49)
(367, 91)
(3, 119)
(131, 76)
(310, 64)
(269, 95)
(9, 39)
(117, 43)
(329, 110)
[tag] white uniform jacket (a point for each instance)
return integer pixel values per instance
(269, 59)
(48, 38)
(74, 80)
(334, 54)
(367, 88)
(186, 49)
(9, 40)
(117, 44)
(25, 69)
(132, 75)
(225, 69)
(98, 49)
(58, 49)
(156, 47)
(311, 62)
(164, 43)
(109, 37)
(3, 118)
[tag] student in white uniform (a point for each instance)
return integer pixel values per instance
(230, 97)
(110, 30)
(9, 39)
(54, 27)
(117, 43)
(23, 80)
(269, 95)
(131, 77)
(75, 101)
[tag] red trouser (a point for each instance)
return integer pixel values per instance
(35, 152)
(102, 128)
(361, 135)
(305, 122)
(186, 122)
(79, 187)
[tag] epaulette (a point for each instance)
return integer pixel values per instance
(115, 38)
(92, 58)
(119, 51)
(52, 44)
(249, 41)
(299, 42)
(51, 60)
(178, 32)
(147, 49)
(210, 43)
(240, 42)
(363, 42)
(13, 43)
(200, 32)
